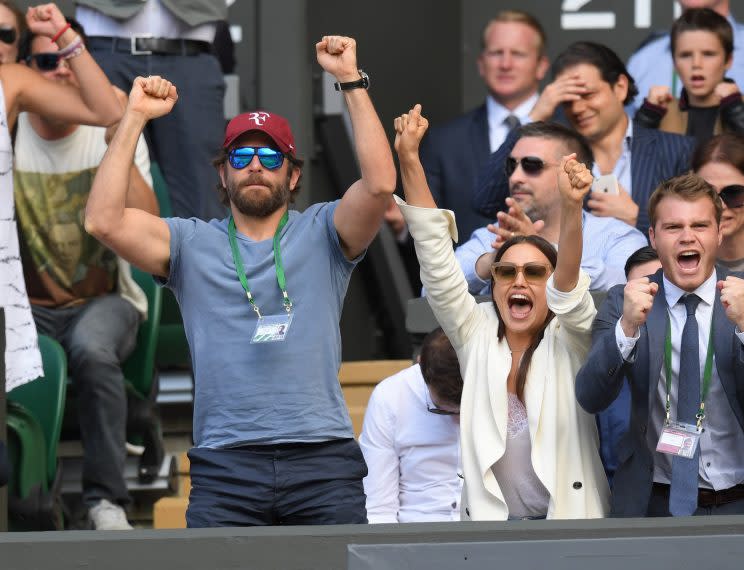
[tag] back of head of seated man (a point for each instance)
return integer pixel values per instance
(534, 207)
(81, 294)
(410, 439)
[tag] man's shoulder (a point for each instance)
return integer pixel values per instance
(461, 122)
(394, 388)
(656, 42)
(669, 139)
(594, 225)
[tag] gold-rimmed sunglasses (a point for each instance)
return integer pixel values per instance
(534, 272)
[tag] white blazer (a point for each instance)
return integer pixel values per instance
(564, 437)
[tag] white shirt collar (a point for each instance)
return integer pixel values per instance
(497, 112)
(628, 133)
(706, 291)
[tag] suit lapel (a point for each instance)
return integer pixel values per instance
(655, 334)
(722, 342)
(480, 143)
(642, 170)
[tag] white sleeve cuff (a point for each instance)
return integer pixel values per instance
(625, 344)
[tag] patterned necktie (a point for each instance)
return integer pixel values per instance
(684, 488)
(512, 122)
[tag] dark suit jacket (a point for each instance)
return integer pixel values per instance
(452, 155)
(655, 156)
(599, 381)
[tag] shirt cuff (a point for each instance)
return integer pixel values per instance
(625, 344)
(739, 335)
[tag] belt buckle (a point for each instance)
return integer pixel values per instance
(133, 40)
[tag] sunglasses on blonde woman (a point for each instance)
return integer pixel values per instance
(506, 272)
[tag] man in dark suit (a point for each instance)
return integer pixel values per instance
(676, 337)
(512, 63)
(591, 86)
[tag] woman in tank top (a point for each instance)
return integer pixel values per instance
(528, 449)
(22, 89)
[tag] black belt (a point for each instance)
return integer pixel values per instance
(708, 497)
(144, 45)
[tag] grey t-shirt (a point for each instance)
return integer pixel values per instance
(275, 392)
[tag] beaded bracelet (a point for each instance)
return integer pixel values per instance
(74, 48)
(62, 31)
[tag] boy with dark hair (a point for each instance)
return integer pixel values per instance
(702, 48)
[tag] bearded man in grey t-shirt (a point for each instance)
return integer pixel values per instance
(261, 294)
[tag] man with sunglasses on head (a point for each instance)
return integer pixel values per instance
(411, 439)
(534, 207)
(261, 293)
(591, 87)
(81, 293)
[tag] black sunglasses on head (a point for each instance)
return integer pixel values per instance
(732, 195)
(8, 35)
(45, 61)
(531, 165)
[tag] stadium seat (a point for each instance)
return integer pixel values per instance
(35, 412)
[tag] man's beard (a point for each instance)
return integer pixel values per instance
(256, 203)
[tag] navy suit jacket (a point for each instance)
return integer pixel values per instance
(655, 156)
(599, 381)
(452, 155)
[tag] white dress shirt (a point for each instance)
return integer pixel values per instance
(497, 114)
(412, 455)
(722, 440)
(621, 170)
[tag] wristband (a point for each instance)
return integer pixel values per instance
(59, 33)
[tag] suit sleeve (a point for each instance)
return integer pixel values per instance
(492, 186)
(600, 379)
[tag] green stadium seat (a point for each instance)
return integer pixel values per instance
(35, 412)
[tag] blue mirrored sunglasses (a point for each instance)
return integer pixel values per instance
(268, 157)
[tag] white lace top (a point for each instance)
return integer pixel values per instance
(22, 358)
(525, 495)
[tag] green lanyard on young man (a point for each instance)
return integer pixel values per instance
(240, 269)
(707, 374)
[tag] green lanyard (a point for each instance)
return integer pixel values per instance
(240, 269)
(675, 79)
(707, 374)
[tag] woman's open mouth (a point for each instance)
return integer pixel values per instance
(520, 306)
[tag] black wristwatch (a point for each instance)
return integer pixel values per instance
(362, 83)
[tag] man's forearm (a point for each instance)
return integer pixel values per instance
(108, 196)
(371, 143)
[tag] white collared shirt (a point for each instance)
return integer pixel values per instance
(722, 440)
(621, 170)
(497, 114)
(413, 456)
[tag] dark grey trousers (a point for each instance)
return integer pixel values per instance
(97, 337)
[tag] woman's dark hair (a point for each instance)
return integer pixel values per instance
(639, 257)
(547, 249)
(609, 64)
(727, 148)
(221, 159)
(440, 367)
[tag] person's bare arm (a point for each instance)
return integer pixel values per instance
(574, 181)
(137, 236)
(94, 103)
(362, 208)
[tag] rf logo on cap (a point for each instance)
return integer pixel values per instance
(258, 117)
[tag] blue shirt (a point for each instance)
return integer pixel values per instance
(621, 170)
(274, 392)
(653, 65)
(607, 244)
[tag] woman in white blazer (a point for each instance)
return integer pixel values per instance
(528, 449)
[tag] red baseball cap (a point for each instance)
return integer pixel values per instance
(276, 126)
